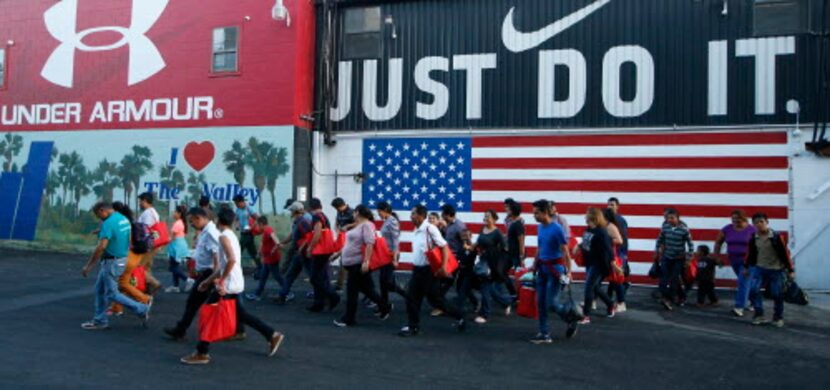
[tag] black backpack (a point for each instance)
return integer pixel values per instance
(794, 294)
(141, 238)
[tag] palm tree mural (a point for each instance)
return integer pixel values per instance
(172, 178)
(258, 161)
(53, 184)
(194, 187)
(67, 167)
(10, 147)
(82, 186)
(105, 178)
(133, 167)
(277, 167)
(235, 161)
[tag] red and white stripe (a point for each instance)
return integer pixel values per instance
(704, 175)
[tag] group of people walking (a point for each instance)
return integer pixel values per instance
(444, 256)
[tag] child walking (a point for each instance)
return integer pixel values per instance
(270, 253)
(178, 250)
(706, 265)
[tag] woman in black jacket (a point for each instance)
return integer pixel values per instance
(597, 253)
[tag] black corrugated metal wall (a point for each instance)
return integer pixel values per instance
(674, 33)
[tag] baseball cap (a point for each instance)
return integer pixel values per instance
(296, 206)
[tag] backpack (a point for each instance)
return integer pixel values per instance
(141, 238)
(794, 294)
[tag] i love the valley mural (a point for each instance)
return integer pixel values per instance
(50, 180)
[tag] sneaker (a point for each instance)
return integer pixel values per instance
(585, 321)
(92, 325)
(172, 290)
(612, 311)
(460, 325)
(173, 334)
(666, 304)
(572, 328)
(275, 343)
(253, 297)
(280, 300)
(480, 320)
(145, 319)
(621, 308)
(189, 284)
(508, 310)
(779, 323)
(290, 297)
(309, 295)
(750, 309)
(594, 305)
(340, 323)
(371, 305)
(407, 331)
(196, 359)
(541, 339)
(238, 337)
(112, 313)
(738, 312)
(384, 315)
(436, 313)
(758, 320)
(681, 303)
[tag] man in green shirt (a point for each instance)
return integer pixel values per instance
(112, 249)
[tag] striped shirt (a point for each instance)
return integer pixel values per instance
(672, 240)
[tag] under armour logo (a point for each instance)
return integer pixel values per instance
(61, 22)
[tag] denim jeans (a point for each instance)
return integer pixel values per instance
(670, 278)
(298, 264)
(272, 269)
(489, 291)
(548, 288)
(106, 291)
(464, 288)
(593, 287)
(744, 284)
(176, 269)
(775, 278)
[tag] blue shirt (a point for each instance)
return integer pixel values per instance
(551, 238)
(242, 215)
(116, 230)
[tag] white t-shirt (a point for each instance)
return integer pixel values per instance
(421, 243)
(235, 281)
(149, 217)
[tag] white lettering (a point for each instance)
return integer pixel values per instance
(440, 92)
(97, 113)
(574, 61)
(644, 96)
(158, 106)
(765, 50)
(138, 113)
(370, 89)
(718, 76)
(474, 64)
(344, 92)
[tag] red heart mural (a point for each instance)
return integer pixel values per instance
(199, 154)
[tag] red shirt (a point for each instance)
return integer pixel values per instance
(268, 245)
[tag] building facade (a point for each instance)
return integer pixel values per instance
(707, 106)
(106, 99)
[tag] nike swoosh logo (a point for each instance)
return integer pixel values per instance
(517, 41)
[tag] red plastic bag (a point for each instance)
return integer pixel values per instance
(690, 272)
(381, 255)
(526, 306)
(138, 278)
(326, 245)
(435, 256)
(217, 321)
(617, 274)
(161, 233)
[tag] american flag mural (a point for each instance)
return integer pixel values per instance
(704, 175)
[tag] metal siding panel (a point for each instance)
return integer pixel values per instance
(676, 33)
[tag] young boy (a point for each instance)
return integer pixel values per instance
(705, 276)
(271, 253)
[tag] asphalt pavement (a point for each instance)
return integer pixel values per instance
(45, 300)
